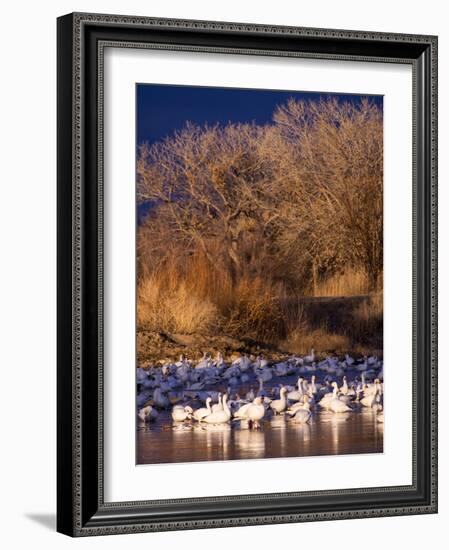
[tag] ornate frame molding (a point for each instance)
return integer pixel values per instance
(82, 512)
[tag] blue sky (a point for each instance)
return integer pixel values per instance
(162, 109)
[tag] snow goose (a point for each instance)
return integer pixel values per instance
(256, 412)
(243, 362)
(147, 414)
(217, 406)
(195, 386)
(303, 414)
(371, 394)
(266, 374)
(233, 370)
(293, 409)
(250, 396)
(324, 402)
(200, 414)
(297, 395)
(160, 400)
(141, 375)
(219, 417)
(344, 389)
(313, 387)
(240, 414)
(310, 358)
(175, 397)
(336, 405)
(205, 362)
(234, 381)
(279, 405)
(261, 391)
(362, 367)
(219, 361)
(143, 397)
(281, 369)
(179, 413)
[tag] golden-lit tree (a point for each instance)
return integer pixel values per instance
(211, 190)
(330, 158)
(273, 208)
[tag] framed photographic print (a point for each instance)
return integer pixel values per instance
(246, 274)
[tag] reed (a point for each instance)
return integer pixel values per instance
(352, 282)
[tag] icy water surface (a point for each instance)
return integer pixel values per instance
(325, 434)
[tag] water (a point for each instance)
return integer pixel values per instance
(325, 434)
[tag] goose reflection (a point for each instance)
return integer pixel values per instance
(337, 425)
(278, 422)
(278, 425)
(302, 432)
(299, 438)
(215, 439)
(249, 443)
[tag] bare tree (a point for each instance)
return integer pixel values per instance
(330, 158)
(290, 201)
(210, 185)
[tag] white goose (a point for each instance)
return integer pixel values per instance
(371, 394)
(200, 414)
(297, 395)
(293, 409)
(313, 387)
(255, 412)
(147, 414)
(279, 405)
(143, 397)
(243, 362)
(303, 414)
(250, 395)
(362, 367)
(241, 413)
(336, 405)
(160, 400)
(205, 362)
(310, 358)
(326, 400)
(281, 369)
(141, 375)
(217, 406)
(219, 417)
(219, 360)
(344, 389)
(179, 413)
(261, 392)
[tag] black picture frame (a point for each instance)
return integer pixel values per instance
(81, 509)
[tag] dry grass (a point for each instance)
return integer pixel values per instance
(350, 283)
(188, 295)
(301, 341)
(370, 310)
(171, 308)
(368, 320)
(254, 311)
(337, 325)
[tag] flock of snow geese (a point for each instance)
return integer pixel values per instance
(186, 389)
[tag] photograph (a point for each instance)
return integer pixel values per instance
(247, 278)
(259, 274)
